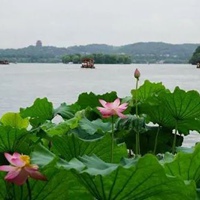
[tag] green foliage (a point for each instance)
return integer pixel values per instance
(39, 112)
(82, 160)
(92, 100)
(183, 108)
(59, 186)
(195, 57)
(14, 120)
(147, 90)
(143, 179)
(185, 165)
(91, 127)
(171, 109)
(52, 129)
(126, 132)
(13, 139)
(178, 109)
(65, 111)
(98, 58)
(3, 192)
(71, 146)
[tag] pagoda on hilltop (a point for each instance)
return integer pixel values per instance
(38, 43)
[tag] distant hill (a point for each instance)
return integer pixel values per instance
(143, 52)
(160, 52)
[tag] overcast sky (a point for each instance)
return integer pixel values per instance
(65, 23)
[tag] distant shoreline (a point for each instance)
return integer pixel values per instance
(144, 52)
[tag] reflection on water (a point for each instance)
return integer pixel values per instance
(21, 84)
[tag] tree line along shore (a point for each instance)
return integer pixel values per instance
(152, 52)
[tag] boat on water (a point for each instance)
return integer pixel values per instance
(4, 62)
(88, 63)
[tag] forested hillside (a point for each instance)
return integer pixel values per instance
(195, 57)
(144, 52)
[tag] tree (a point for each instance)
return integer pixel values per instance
(195, 57)
(76, 59)
(66, 59)
(99, 58)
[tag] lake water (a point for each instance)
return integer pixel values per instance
(21, 84)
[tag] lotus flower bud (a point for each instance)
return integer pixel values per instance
(137, 74)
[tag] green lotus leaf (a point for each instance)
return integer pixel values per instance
(39, 112)
(189, 124)
(167, 157)
(52, 129)
(145, 179)
(14, 120)
(3, 191)
(65, 111)
(13, 139)
(92, 100)
(185, 165)
(90, 130)
(42, 156)
(184, 107)
(148, 89)
(131, 123)
(90, 113)
(91, 127)
(189, 101)
(70, 146)
(158, 114)
(59, 181)
(85, 136)
(60, 184)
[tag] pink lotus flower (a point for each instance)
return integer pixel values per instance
(112, 108)
(20, 169)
